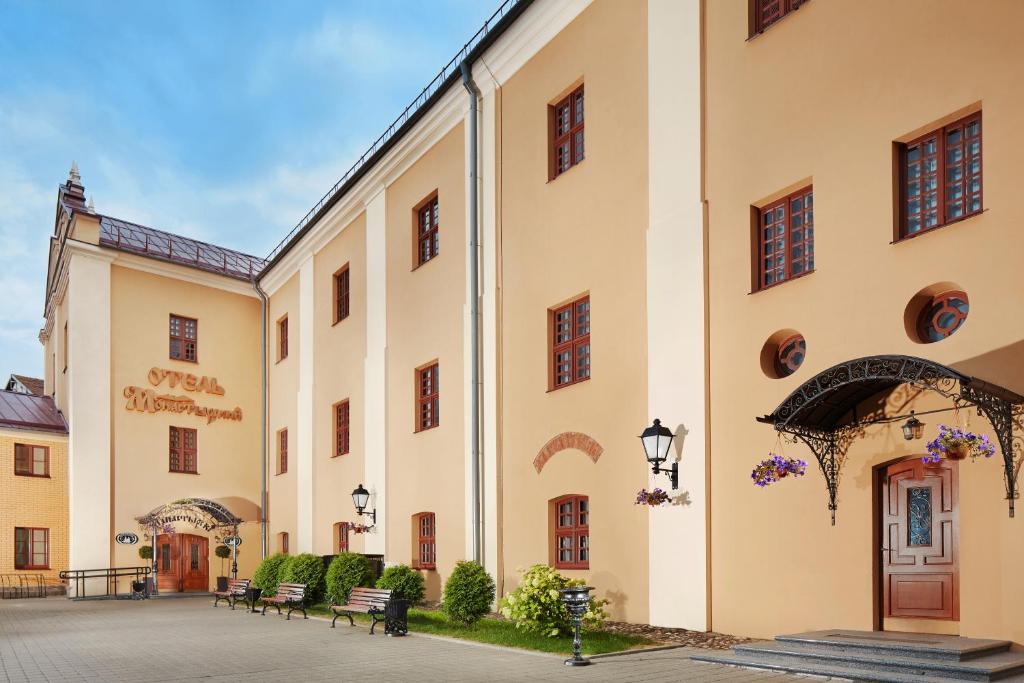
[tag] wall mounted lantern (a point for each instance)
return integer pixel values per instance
(657, 441)
(360, 498)
(913, 428)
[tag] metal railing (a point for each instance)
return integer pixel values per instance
(184, 250)
(83, 579)
(446, 72)
(22, 586)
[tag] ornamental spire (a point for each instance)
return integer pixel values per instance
(73, 173)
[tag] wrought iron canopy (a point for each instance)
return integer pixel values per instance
(822, 412)
(201, 512)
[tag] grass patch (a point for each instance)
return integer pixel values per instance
(500, 632)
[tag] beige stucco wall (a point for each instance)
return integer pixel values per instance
(830, 111)
(39, 502)
(582, 232)
(425, 470)
(282, 413)
(228, 451)
(340, 349)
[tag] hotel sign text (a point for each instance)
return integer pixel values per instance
(145, 400)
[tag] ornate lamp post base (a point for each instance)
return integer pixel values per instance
(577, 600)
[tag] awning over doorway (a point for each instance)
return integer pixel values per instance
(200, 512)
(822, 412)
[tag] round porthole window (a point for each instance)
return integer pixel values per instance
(942, 315)
(783, 354)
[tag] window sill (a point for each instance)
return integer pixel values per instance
(568, 170)
(180, 472)
(33, 476)
(340, 320)
(774, 23)
(937, 228)
(340, 455)
(417, 266)
(184, 360)
(551, 390)
(26, 569)
(779, 284)
(426, 429)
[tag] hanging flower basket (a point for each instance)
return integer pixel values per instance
(357, 528)
(953, 443)
(654, 498)
(775, 468)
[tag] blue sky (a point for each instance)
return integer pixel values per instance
(224, 120)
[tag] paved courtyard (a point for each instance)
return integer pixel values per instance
(186, 639)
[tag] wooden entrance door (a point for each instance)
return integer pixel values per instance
(920, 538)
(183, 562)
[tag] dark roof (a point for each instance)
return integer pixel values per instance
(25, 411)
(33, 384)
(139, 239)
(503, 17)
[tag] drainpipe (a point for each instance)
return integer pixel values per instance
(474, 312)
(263, 417)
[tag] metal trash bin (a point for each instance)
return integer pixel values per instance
(252, 594)
(140, 590)
(396, 617)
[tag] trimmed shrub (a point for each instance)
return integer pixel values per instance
(266, 574)
(468, 593)
(347, 571)
(308, 569)
(404, 581)
(146, 552)
(536, 605)
(222, 551)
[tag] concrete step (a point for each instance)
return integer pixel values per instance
(888, 657)
(988, 667)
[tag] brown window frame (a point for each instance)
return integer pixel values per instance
(342, 428)
(424, 541)
(282, 338)
(431, 399)
(183, 339)
(557, 345)
(756, 23)
(760, 251)
(30, 551)
(282, 451)
(574, 136)
(30, 460)
(342, 294)
(429, 238)
(342, 537)
(575, 531)
(180, 455)
(942, 169)
(283, 542)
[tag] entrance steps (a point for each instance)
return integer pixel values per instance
(886, 657)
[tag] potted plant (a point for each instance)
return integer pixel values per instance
(953, 443)
(776, 468)
(223, 552)
(654, 498)
(146, 552)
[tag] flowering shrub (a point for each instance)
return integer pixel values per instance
(358, 528)
(955, 443)
(536, 605)
(775, 467)
(653, 498)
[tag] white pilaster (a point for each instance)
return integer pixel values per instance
(676, 353)
(88, 382)
(305, 423)
(375, 371)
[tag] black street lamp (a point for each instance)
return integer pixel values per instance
(657, 441)
(913, 428)
(360, 498)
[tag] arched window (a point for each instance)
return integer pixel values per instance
(424, 530)
(942, 316)
(569, 532)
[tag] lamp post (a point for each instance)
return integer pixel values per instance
(360, 498)
(577, 601)
(913, 428)
(657, 441)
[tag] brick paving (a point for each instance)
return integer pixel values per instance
(55, 639)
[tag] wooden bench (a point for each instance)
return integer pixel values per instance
(372, 601)
(291, 595)
(236, 589)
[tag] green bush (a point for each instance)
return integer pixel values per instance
(536, 605)
(146, 552)
(468, 593)
(404, 581)
(347, 570)
(307, 569)
(266, 574)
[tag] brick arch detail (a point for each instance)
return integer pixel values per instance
(566, 440)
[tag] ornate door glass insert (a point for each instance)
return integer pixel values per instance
(919, 505)
(195, 557)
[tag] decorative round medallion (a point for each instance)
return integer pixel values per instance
(127, 538)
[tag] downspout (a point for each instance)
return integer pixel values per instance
(474, 312)
(263, 416)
